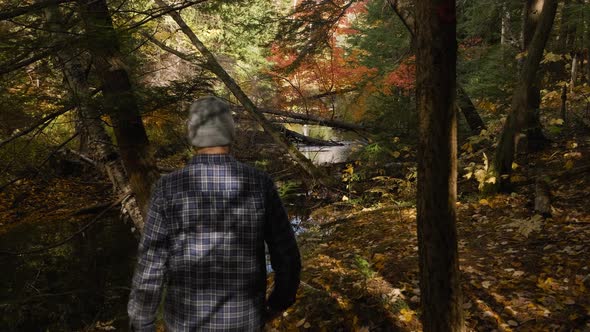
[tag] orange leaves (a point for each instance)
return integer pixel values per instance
(404, 76)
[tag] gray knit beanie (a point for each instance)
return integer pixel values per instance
(210, 123)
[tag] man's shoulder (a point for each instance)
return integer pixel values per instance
(187, 173)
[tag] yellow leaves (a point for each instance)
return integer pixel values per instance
(467, 147)
(520, 55)
(484, 202)
(569, 164)
(406, 315)
(303, 323)
(395, 154)
(487, 105)
(515, 178)
(572, 145)
(556, 122)
(379, 261)
(551, 57)
(548, 284)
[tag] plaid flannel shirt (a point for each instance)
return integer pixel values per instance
(204, 240)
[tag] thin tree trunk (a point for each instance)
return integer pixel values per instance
(519, 116)
(436, 55)
(563, 108)
(213, 65)
(99, 142)
(119, 101)
(506, 31)
(574, 72)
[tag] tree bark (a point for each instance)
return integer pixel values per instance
(574, 72)
(436, 56)
(506, 31)
(466, 106)
(213, 65)
(522, 97)
(119, 101)
(99, 142)
(535, 137)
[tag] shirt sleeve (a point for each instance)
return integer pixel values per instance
(152, 257)
(284, 253)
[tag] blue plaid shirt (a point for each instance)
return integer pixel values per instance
(204, 240)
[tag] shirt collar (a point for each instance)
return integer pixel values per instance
(211, 159)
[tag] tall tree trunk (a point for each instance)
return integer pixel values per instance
(521, 100)
(119, 101)
(436, 56)
(213, 65)
(405, 12)
(99, 143)
(535, 137)
(506, 31)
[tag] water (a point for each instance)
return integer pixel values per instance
(322, 155)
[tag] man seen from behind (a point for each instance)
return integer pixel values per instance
(204, 237)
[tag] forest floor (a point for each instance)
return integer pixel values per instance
(520, 271)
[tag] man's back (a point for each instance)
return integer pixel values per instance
(206, 231)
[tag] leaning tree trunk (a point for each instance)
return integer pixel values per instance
(436, 56)
(213, 65)
(99, 142)
(119, 101)
(519, 116)
(405, 12)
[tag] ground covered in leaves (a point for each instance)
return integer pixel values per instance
(520, 270)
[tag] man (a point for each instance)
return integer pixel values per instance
(204, 239)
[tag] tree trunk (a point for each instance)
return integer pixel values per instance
(119, 101)
(465, 105)
(436, 55)
(98, 142)
(563, 108)
(519, 116)
(213, 65)
(535, 137)
(574, 72)
(405, 12)
(506, 31)
(531, 15)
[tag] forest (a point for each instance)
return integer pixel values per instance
(432, 155)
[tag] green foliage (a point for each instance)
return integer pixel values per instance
(364, 267)
(288, 189)
(488, 72)
(483, 19)
(381, 36)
